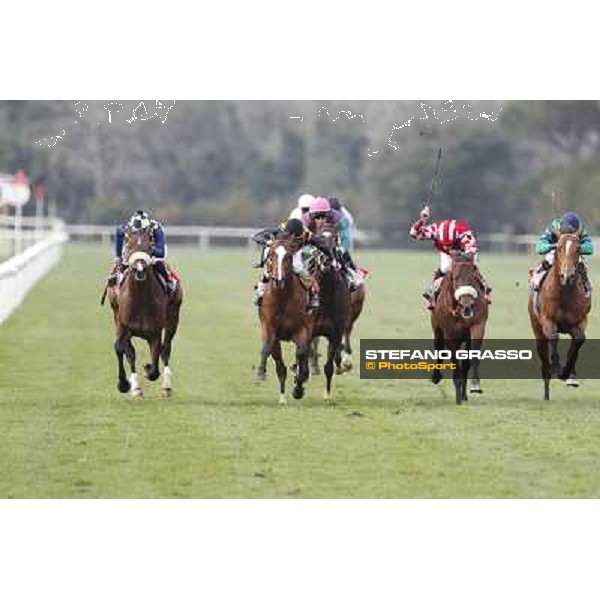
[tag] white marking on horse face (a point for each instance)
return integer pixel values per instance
(280, 251)
(327, 234)
(568, 248)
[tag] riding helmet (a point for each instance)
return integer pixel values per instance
(319, 205)
(294, 226)
(140, 220)
(305, 201)
(570, 223)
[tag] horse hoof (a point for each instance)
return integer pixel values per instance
(326, 396)
(260, 377)
(150, 374)
(166, 392)
(572, 383)
(123, 386)
(137, 393)
(436, 377)
(298, 393)
(282, 400)
(347, 363)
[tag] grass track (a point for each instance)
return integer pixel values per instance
(65, 431)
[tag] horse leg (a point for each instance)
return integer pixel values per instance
(302, 373)
(347, 362)
(332, 348)
(551, 333)
(170, 331)
(568, 373)
(466, 364)
(542, 349)
(458, 376)
(339, 370)
(123, 384)
(261, 371)
(314, 357)
(476, 343)
(152, 370)
(438, 344)
(136, 390)
(281, 369)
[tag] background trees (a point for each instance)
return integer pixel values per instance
(506, 165)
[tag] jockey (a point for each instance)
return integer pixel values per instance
(546, 244)
(449, 235)
(346, 225)
(301, 238)
(321, 209)
(302, 207)
(139, 221)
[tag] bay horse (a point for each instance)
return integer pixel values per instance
(333, 314)
(561, 306)
(283, 316)
(459, 317)
(142, 309)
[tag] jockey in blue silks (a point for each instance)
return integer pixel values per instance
(139, 221)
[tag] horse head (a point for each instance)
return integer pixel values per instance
(464, 284)
(279, 260)
(567, 256)
(138, 252)
(327, 231)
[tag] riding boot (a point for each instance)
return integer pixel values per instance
(259, 292)
(429, 295)
(161, 269)
(585, 280)
(113, 277)
(487, 290)
(538, 275)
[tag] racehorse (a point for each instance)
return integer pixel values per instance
(357, 301)
(141, 308)
(283, 316)
(459, 317)
(561, 306)
(333, 314)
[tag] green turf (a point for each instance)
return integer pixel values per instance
(65, 431)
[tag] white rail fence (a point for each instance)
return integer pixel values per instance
(20, 272)
(205, 236)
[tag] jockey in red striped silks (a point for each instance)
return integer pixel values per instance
(448, 236)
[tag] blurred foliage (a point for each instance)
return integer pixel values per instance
(506, 166)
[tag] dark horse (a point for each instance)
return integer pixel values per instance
(357, 302)
(333, 314)
(562, 307)
(459, 317)
(141, 308)
(283, 316)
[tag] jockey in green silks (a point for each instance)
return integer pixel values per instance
(570, 222)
